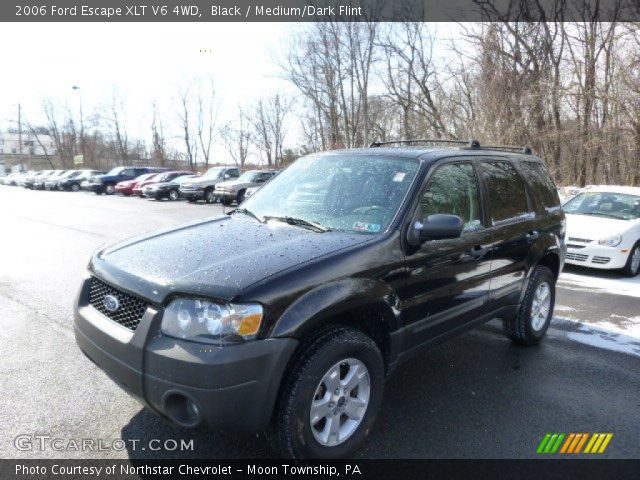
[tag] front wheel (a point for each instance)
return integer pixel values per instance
(240, 197)
(534, 315)
(75, 187)
(174, 195)
(110, 189)
(210, 196)
(331, 397)
(632, 267)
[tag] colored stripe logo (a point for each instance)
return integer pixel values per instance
(574, 443)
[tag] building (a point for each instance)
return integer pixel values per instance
(32, 145)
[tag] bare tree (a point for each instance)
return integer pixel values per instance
(237, 138)
(206, 119)
(184, 116)
(157, 137)
(268, 121)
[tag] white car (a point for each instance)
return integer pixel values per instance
(603, 228)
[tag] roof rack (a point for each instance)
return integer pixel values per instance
(471, 144)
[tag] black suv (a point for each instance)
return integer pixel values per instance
(287, 314)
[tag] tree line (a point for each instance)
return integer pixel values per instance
(569, 90)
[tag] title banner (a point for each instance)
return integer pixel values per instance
(317, 11)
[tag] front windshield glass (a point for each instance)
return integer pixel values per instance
(250, 176)
(181, 178)
(605, 204)
(341, 192)
(145, 176)
(115, 171)
(212, 173)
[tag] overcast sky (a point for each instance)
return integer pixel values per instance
(143, 62)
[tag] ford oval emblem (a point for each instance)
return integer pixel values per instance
(111, 303)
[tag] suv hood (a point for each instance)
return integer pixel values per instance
(216, 258)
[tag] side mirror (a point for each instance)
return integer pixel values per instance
(440, 226)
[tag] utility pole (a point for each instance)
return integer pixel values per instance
(20, 129)
(82, 144)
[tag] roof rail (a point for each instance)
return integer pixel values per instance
(470, 144)
(426, 140)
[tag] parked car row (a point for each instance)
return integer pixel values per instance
(50, 179)
(224, 184)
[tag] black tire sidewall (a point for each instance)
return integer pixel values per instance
(304, 443)
(627, 267)
(173, 192)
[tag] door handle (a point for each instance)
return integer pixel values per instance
(532, 235)
(477, 251)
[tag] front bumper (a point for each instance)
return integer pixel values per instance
(234, 387)
(593, 255)
(94, 187)
(226, 194)
(192, 194)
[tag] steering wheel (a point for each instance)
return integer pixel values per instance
(369, 209)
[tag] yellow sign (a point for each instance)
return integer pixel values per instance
(78, 160)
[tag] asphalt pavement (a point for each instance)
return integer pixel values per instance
(476, 396)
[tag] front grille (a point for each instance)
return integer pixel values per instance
(577, 257)
(130, 309)
(581, 240)
(601, 260)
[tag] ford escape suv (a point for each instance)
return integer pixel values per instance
(287, 314)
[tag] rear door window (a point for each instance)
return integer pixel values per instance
(506, 191)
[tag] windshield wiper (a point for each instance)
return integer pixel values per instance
(300, 222)
(248, 212)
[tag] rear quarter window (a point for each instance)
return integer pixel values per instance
(506, 191)
(541, 184)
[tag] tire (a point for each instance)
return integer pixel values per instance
(240, 197)
(632, 267)
(226, 201)
(109, 189)
(75, 187)
(126, 194)
(209, 196)
(527, 328)
(291, 432)
(173, 195)
(191, 200)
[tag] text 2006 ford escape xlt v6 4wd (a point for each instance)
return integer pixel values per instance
(287, 314)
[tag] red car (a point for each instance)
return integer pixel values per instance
(126, 187)
(159, 178)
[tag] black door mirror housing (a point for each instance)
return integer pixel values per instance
(441, 226)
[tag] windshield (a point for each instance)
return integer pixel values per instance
(340, 192)
(70, 174)
(249, 176)
(182, 178)
(145, 176)
(213, 172)
(115, 171)
(605, 204)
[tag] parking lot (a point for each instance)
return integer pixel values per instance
(477, 396)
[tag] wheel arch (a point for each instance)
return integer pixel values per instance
(370, 306)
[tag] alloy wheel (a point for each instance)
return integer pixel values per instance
(540, 306)
(340, 402)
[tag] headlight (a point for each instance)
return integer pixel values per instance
(611, 241)
(210, 322)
